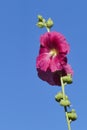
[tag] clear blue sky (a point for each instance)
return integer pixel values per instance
(26, 102)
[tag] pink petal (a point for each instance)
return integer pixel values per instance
(43, 50)
(43, 61)
(46, 76)
(55, 40)
(57, 62)
(68, 69)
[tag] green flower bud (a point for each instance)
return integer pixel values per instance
(67, 79)
(40, 18)
(64, 102)
(49, 23)
(40, 24)
(59, 96)
(72, 115)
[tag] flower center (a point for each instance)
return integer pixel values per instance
(53, 52)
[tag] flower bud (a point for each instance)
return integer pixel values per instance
(72, 115)
(67, 79)
(49, 23)
(59, 96)
(64, 102)
(40, 18)
(40, 24)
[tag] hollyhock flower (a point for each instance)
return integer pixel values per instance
(53, 78)
(52, 53)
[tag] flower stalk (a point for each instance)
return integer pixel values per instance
(63, 100)
(67, 119)
(52, 66)
(44, 23)
(65, 107)
(48, 29)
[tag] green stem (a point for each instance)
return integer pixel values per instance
(68, 122)
(63, 91)
(65, 108)
(48, 29)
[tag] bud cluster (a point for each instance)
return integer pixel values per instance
(44, 23)
(64, 101)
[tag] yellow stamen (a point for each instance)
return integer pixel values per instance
(53, 52)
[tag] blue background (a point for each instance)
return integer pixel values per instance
(26, 102)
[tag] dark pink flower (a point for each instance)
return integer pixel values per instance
(52, 53)
(53, 78)
(51, 62)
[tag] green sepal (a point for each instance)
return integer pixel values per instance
(67, 79)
